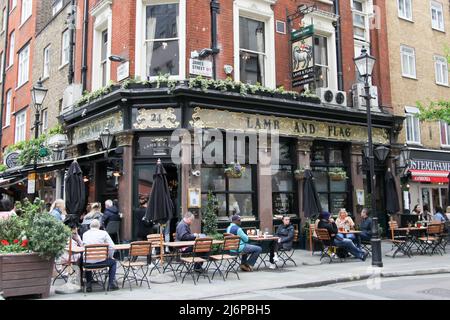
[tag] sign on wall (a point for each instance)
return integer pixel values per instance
(302, 56)
(200, 67)
(123, 71)
(11, 160)
(168, 118)
(92, 129)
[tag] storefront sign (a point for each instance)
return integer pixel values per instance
(11, 160)
(213, 118)
(31, 183)
(431, 165)
(302, 49)
(200, 67)
(91, 131)
(156, 119)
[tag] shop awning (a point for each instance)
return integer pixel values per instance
(429, 176)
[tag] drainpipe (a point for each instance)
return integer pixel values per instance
(72, 22)
(3, 62)
(215, 9)
(338, 47)
(85, 49)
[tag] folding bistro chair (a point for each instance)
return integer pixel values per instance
(286, 255)
(96, 252)
(444, 237)
(399, 241)
(60, 268)
(155, 241)
(137, 249)
(200, 254)
(329, 249)
(113, 229)
(313, 239)
(230, 255)
(432, 239)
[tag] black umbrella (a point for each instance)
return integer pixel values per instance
(311, 201)
(75, 192)
(392, 205)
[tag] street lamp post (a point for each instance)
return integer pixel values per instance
(38, 94)
(364, 63)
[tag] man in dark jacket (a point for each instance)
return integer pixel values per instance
(285, 232)
(328, 223)
(184, 233)
(111, 213)
(366, 226)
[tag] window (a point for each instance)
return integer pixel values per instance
(4, 20)
(24, 63)
(333, 192)
(405, 9)
(11, 49)
(283, 182)
(57, 5)
(441, 68)
(251, 51)
(44, 120)
(437, 16)
(8, 108)
(13, 4)
(445, 134)
(46, 68)
(361, 20)
(1, 67)
(27, 8)
(21, 121)
(408, 58)
(412, 125)
(65, 47)
(104, 58)
(321, 61)
(162, 39)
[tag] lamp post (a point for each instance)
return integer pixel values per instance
(38, 93)
(106, 139)
(364, 63)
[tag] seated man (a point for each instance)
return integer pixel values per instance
(184, 233)
(285, 232)
(366, 226)
(96, 236)
(328, 223)
(247, 249)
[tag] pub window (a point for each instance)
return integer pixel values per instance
(333, 194)
(283, 182)
(251, 51)
(234, 195)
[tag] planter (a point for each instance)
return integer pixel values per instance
(25, 274)
(233, 175)
(336, 177)
(309, 99)
(278, 95)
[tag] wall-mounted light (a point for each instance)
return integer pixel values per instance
(115, 58)
(86, 179)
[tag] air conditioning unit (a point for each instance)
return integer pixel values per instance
(359, 102)
(71, 95)
(333, 97)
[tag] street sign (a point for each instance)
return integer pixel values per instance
(303, 32)
(200, 67)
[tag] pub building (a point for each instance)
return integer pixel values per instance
(142, 120)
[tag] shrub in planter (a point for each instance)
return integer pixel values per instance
(337, 174)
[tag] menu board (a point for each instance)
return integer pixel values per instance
(338, 201)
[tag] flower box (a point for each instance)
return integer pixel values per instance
(25, 274)
(337, 177)
(233, 175)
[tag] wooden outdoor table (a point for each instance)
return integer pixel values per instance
(124, 246)
(182, 244)
(350, 232)
(411, 229)
(268, 238)
(266, 249)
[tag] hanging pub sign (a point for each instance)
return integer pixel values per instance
(302, 56)
(11, 160)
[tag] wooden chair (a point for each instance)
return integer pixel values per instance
(432, 239)
(200, 254)
(286, 255)
(398, 240)
(313, 239)
(229, 254)
(444, 237)
(61, 268)
(156, 240)
(329, 249)
(137, 249)
(96, 252)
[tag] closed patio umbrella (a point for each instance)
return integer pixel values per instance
(160, 206)
(392, 205)
(75, 192)
(311, 201)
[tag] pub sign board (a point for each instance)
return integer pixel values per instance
(302, 56)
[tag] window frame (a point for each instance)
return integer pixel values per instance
(408, 55)
(441, 63)
(65, 47)
(442, 125)
(13, 5)
(141, 51)
(366, 13)
(434, 5)
(46, 62)
(23, 125)
(44, 120)
(56, 7)
(4, 20)
(22, 76)
(12, 48)
(1, 65)
(25, 15)
(411, 115)
(400, 14)
(8, 108)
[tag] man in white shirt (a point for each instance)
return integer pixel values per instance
(96, 236)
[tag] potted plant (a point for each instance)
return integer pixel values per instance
(29, 243)
(337, 174)
(234, 170)
(299, 173)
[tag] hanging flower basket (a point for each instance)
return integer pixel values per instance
(299, 174)
(337, 174)
(234, 170)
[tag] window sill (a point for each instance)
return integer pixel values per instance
(445, 146)
(63, 66)
(406, 19)
(9, 67)
(23, 84)
(25, 21)
(439, 30)
(412, 143)
(410, 77)
(442, 84)
(6, 127)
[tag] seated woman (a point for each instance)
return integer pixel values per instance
(76, 241)
(345, 222)
(94, 214)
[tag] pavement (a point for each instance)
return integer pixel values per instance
(309, 273)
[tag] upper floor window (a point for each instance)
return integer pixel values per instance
(162, 39)
(405, 9)
(412, 125)
(44, 120)
(408, 58)
(445, 134)
(437, 16)
(13, 4)
(321, 61)
(46, 67)
(441, 68)
(24, 63)
(65, 47)
(12, 41)
(361, 20)
(104, 57)
(1, 67)
(21, 126)
(57, 5)
(4, 20)
(27, 8)
(8, 108)
(251, 51)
